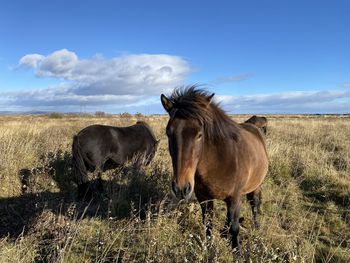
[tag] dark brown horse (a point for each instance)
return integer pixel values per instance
(260, 122)
(97, 148)
(214, 156)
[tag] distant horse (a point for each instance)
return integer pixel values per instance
(214, 157)
(260, 122)
(97, 148)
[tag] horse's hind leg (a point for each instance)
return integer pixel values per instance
(254, 199)
(83, 187)
(98, 186)
(89, 189)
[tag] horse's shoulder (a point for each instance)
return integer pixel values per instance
(143, 124)
(147, 127)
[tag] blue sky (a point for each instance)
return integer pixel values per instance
(115, 56)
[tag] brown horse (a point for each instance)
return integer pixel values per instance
(97, 148)
(260, 122)
(214, 156)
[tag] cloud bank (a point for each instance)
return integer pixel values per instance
(344, 84)
(134, 82)
(336, 101)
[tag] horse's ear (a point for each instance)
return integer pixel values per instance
(167, 103)
(210, 98)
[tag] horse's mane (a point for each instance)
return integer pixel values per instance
(190, 102)
(146, 125)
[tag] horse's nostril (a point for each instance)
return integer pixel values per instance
(187, 189)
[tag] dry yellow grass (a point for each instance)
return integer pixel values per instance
(306, 199)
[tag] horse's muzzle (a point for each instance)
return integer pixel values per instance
(182, 193)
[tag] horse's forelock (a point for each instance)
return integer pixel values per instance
(193, 103)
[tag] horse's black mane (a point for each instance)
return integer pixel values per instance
(190, 102)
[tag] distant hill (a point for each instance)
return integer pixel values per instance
(23, 112)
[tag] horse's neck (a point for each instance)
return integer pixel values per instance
(216, 155)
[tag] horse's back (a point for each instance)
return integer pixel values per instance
(259, 121)
(139, 135)
(97, 136)
(94, 131)
(253, 129)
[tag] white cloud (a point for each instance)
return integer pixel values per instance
(344, 84)
(124, 75)
(31, 60)
(230, 79)
(59, 64)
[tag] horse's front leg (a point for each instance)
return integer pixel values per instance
(232, 221)
(207, 216)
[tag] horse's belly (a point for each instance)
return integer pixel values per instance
(254, 181)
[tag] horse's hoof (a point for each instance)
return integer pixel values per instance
(86, 191)
(82, 191)
(236, 251)
(236, 245)
(256, 225)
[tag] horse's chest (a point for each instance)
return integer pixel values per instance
(213, 189)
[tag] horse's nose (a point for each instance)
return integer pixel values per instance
(181, 193)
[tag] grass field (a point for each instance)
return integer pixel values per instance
(306, 198)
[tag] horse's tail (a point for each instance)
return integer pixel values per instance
(78, 165)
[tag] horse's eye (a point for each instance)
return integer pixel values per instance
(199, 135)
